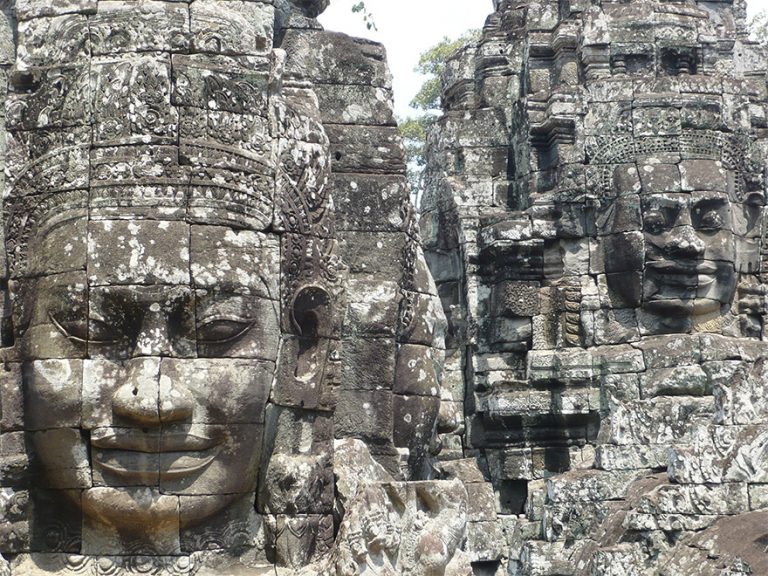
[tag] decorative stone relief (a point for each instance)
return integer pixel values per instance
(593, 218)
(205, 291)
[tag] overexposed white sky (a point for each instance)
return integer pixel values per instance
(409, 27)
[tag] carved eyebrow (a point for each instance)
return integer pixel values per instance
(227, 288)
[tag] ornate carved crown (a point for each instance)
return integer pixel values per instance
(209, 139)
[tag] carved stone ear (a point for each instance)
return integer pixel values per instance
(311, 313)
(312, 318)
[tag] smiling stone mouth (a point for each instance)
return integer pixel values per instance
(683, 275)
(672, 268)
(147, 456)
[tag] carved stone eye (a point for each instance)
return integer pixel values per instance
(222, 330)
(74, 329)
(93, 330)
(655, 221)
(711, 220)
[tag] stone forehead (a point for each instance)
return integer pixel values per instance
(625, 157)
(159, 107)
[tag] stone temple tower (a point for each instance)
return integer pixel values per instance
(594, 221)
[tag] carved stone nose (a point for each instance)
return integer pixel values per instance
(153, 338)
(136, 399)
(175, 401)
(685, 243)
(141, 400)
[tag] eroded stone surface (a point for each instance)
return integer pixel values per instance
(224, 352)
(592, 217)
(189, 330)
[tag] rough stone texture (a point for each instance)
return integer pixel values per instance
(593, 218)
(224, 350)
(213, 282)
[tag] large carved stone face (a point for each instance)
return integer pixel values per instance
(672, 239)
(690, 253)
(147, 372)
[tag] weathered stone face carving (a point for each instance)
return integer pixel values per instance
(683, 244)
(690, 254)
(189, 327)
(594, 216)
(167, 228)
(677, 237)
(158, 366)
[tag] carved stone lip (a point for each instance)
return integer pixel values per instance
(688, 275)
(142, 456)
(154, 443)
(176, 465)
(671, 267)
(168, 465)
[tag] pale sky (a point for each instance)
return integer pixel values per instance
(409, 27)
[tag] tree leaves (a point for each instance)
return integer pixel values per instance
(432, 63)
(360, 8)
(427, 103)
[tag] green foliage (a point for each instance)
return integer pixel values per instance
(360, 8)
(413, 129)
(427, 102)
(432, 63)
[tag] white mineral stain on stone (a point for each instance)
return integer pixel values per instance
(353, 112)
(56, 373)
(241, 239)
(305, 438)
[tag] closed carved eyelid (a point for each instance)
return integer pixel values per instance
(220, 320)
(64, 331)
(69, 336)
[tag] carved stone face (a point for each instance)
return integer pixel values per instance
(148, 369)
(690, 253)
(672, 236)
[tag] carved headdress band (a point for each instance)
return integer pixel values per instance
(732, 150)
